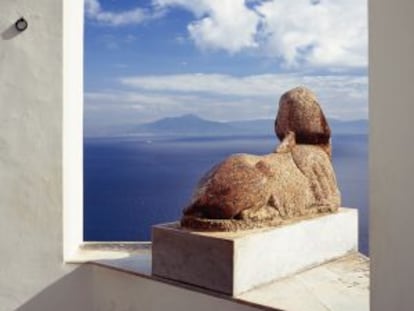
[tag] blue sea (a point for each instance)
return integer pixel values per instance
(131, 183)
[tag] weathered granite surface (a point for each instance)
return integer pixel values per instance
(300, 112)
(297, 180)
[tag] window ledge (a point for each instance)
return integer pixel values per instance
(109, 252)
(342, 284)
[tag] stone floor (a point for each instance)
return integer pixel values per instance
(339, 285)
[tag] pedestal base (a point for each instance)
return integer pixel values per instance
(235, 262)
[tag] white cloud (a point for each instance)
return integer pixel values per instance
(221, 24)
(323, 33)
(219, 97)
(299, 32)
(264, 85)
(94, 11)
(223, 97)
(126, 98)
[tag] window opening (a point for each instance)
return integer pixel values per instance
(172, 87)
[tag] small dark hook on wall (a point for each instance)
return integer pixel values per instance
(21, 24)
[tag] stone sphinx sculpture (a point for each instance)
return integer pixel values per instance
(296, 181)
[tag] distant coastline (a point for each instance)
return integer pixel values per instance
(193, 125)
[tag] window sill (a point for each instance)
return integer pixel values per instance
(109, 252)
(342, 284)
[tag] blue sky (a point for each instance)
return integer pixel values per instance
(221, 59)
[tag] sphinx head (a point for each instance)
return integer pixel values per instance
(300, 113)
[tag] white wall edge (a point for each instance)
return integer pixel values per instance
(73, 20)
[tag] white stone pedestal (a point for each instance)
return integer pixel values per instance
(235, 262)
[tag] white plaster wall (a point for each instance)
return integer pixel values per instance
(392, 154)
(32, 273)
(40, 175)
(31, 179)
(115, 290)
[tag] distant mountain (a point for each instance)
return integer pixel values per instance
(186, 124)
(194, 125)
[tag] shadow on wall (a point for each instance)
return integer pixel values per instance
(10, 33)
(92, 287)
(71, 292)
